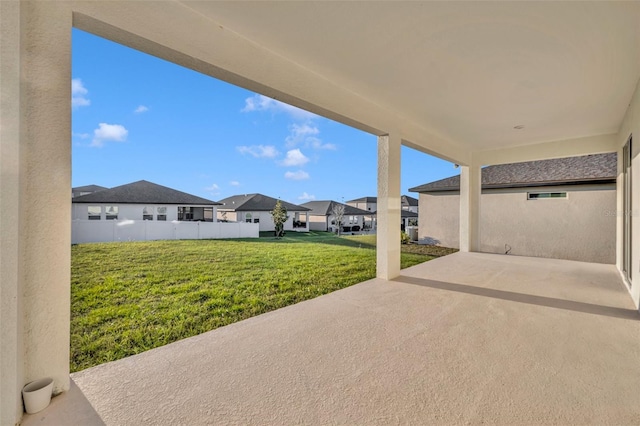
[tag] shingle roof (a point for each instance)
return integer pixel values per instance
(406, 200)
(409, 201)
(559, 171)
(325, 208)
(143, 192)
(256, 203)
(364, 200)
(408, 213)
(88, 188)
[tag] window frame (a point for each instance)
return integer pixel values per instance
(111, 216)
(161, 213)
(145, 213)
(547, 195)
(94, 216)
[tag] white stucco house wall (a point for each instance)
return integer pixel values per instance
(256, 208)
(321, 217)
(560, 208)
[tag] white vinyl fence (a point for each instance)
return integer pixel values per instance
(98, 231)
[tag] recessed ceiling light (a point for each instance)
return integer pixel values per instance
(519, 127)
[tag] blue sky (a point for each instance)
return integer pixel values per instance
(139, 117)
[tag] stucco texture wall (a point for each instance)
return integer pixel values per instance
(439, 219)
(631, 126)
(317, 223)
(580, 227)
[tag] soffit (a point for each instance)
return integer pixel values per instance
(469, 71)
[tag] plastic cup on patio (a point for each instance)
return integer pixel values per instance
(37, 395)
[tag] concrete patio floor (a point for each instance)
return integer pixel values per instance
(465, 339)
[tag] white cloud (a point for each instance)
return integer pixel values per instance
(295, 157)
(306, 134)
(78, 92)
(318, 144)
(79, 101)
(259, 151)
(82, 135)
(263, 103)
(141, 109)
(234, 183)
(109, 132)
(77, 88)
(299, 133)
(299, 175)
(214, 189)
(306, 197)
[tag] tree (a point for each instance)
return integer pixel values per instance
(279, 215)
(338, 214)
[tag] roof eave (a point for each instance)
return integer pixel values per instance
(596, 181)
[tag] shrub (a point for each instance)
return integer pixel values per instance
(404, 238)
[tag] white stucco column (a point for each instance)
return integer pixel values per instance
(11, 356)
(388, 213)
(470, 190)
(35, 203)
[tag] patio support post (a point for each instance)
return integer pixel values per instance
(388, 213)
(35, 200)
(11, 369)
(470, 190)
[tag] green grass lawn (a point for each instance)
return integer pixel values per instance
(133, 296)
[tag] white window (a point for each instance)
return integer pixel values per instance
(247, 218)
(94, 212)
(111, 212)
(147, 213)
(545, 195)
(162, 213)
(185, 213)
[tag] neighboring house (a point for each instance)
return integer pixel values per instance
(369, 204)
(408, 218)
(256, 208)
(409, 203)
(143, 200)
(321, 217)
(409, 211)
(85, 190)
(142, 211)
(561, 208)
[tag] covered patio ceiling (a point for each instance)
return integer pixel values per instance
(468, 72)
(452, 77)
